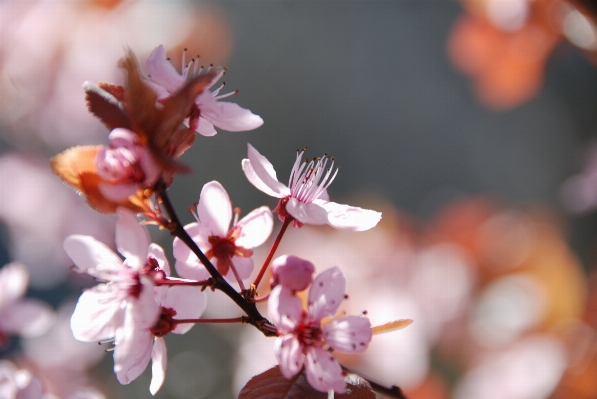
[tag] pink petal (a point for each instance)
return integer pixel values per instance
(146, 308)
(132, 239)
(162, 71)
(289, 352)
(351, 218)
(292, 272)
(188, 302)
(206, 128)
(324, 373)
(14, 278)
(194, 271)
(326, 293)
(28, 318)
(199, 234)
(97, 315)
(256, 227)
(92, 256)
(262, 175)
(157, 252)
(133, 347)
(244, 268)
(159, 362)
(284, 308)
(307, 213)
(214, 209)
(118, 192)
(226, 115)
(350, 334)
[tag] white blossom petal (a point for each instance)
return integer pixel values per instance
(206, 128)
(226, 115)
(146, 308)
(132, 239)
(92, 256)
(194, 271)
(307, 213)
(159, 362)
(350, 334)
(188, 302)
(28, 318)
(14, 278)
(215, 209)
(133, 347)
(162, 71)
(289, 352)
(256, 227)
(243, 266)
(97, 315)
(351, 218)
(284, 308)
(261, 173)
(326, 293)
(324, 373)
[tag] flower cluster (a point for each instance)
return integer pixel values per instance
(153, 120)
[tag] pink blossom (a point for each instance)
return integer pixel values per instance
(305, 198)
(101, 309)
(226, 246)
(18, 383)
(304, 340)
(141, 338)
(18, 316)
(165, 81)
(292, 272)
(126, 164)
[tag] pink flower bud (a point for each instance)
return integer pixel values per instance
(293, 273)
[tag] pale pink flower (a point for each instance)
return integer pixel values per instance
(304, 340)
(126, 164)
(226, 246)
(305, 198)
(18, 383)
(165, 81)
(292, 272)
(141, 338)
(101, 309)
(19, 316)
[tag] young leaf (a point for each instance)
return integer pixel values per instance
(104, 101)
(273, 385)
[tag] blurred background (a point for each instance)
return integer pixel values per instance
(471, 125)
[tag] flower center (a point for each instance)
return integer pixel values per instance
(134, 290)
(165, 323)
(308, 332)
(222, 248)
(309, 179)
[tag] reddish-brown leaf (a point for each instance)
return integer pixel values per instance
(273, 385)
(104, 101)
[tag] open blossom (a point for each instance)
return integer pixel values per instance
(18, 383)
(209, 111)
(305, 198)
(126, 165)
(224, 245)
(304, 340)
(101, 309)
(141, 338)
(18, 316)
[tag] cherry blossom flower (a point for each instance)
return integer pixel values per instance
(292, 272)
(230, 248)
(18, 316)
(305, 198)
(304, 340)
(210, 112)
(18, 383)
(141, 338)
(101, 309)
(125, 165)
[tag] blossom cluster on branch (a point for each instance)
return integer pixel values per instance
(153, 119)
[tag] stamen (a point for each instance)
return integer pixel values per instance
(237, 212)
(184, 57)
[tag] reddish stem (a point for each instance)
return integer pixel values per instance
(181, 281)
(287, 222)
